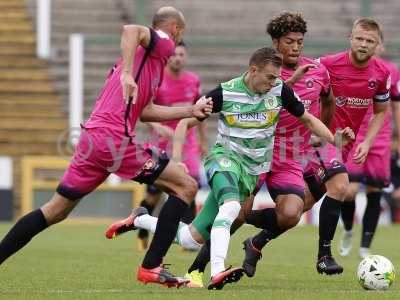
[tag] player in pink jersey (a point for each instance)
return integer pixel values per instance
(359, 81)
(180, 87)
(107, 144)
(293, 153)
(375, 172)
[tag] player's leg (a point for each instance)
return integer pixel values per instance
(377, 177)
(196, 270)
(286, 187)
(54, 211)
(226, 189)
(333, 179)
(356, 176)
(181, 189)
(81, 177)
(347, 215)
(370, 219)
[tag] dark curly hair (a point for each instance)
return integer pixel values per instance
(286, 22)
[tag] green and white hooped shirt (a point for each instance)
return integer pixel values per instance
(247, 121)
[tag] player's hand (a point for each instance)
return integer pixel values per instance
(361, 152)
(129, 87)
(344, 136)
(316, 141)
(299, 73)
(203, 108)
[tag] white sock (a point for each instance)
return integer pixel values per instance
(146, 222)
(220, 235)
(185, 239)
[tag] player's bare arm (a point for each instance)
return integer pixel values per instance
(158, 113)
(132, 37)
(327, 108)
(360, 154)
(162, 130)
(299, 73)
(180, 135)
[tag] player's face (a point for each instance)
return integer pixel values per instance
(177, 32)
(264, 78)
(178, 61)
(363, 44)
(291, 47)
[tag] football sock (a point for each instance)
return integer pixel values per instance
(203, 256)
(269, 222)
(21, 233)
(220, 235)
(166, 229)
(371, 218)
(328, 218)
(146, 222)
(347, 212)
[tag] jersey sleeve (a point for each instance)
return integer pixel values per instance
(291, 102)
(160, 44)
(395, 85)
(325, 82)
(383, 94)
(217, 97)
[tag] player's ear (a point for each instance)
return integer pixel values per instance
(252, 69)
(275, 43)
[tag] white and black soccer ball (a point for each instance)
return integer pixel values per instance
(375, 272)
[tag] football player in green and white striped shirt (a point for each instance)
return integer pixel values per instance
(249, 108)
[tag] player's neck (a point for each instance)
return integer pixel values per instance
(176, 74)
(291, 66)
(247, 83)
(357, 63)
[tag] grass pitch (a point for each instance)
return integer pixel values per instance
(75, 261)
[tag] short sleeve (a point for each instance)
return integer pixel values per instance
(160, 44)
(325, 83)
(291, 102)
(395, 85)
(382, 93)
(217, 97)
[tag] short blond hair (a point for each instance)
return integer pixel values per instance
(368, 24)
(166, 14)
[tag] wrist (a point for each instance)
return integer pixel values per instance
(191, 111)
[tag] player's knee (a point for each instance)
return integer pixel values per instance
(337, 191)
(229, 210)
(186, 188)
(289, 213)
(288, 218)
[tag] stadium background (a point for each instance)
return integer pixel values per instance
(34, 92)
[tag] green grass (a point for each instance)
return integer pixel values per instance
(74, 261)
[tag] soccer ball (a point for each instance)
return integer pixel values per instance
(375, 272)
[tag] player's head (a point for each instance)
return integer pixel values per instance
(170, 20)
(364, 39)
(287, 33)
(178, 61)
(264, 68)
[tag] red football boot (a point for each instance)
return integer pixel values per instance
(160, 275)
(126, 224)
(230, 275)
